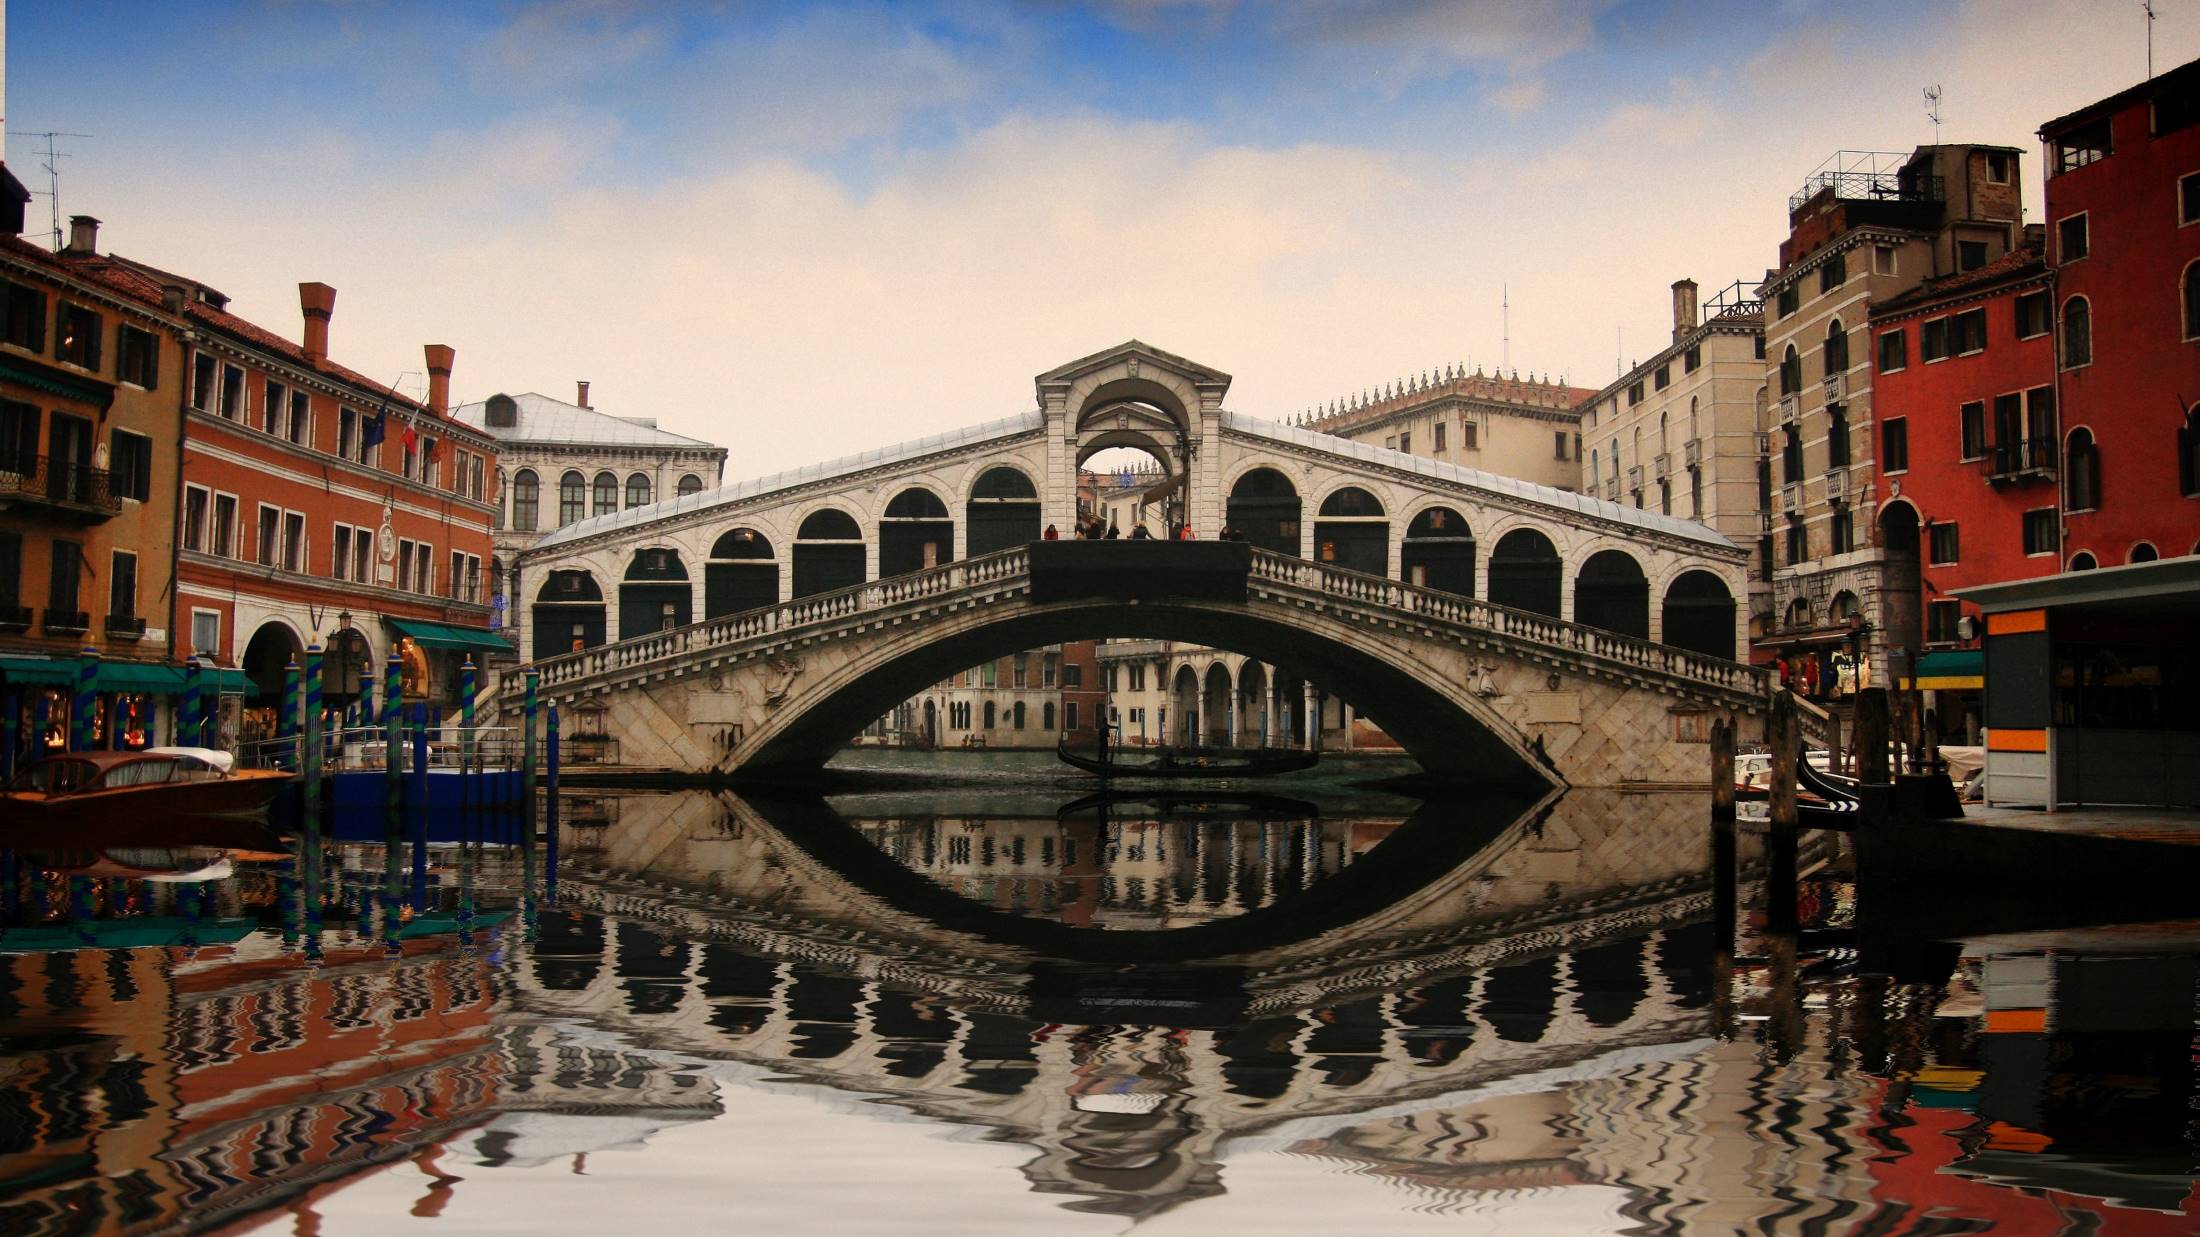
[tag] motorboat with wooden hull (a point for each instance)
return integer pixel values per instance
(157, 784)
(1197, 762)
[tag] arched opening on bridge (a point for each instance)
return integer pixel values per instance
(1525, 572)
(931, 724)
(741, 574)
(1216, 707)
(1003, 511)
(1353, 532)
(569, 613)
(1699, 615)
(1127, 485)
(828, 553)
(655, 595)
(1438, 552)
(1183, 728)
(268, 655)
(1519, 1001)
(1903, 603)
(1610, 592)
(1264, 506)
(568, 952)
(915, 533)
(1610, 981)
(1253, 726)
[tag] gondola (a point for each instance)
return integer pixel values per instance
(1824, 801)
(1205, 762)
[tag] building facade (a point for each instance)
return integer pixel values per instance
(1527, 428)
(89, 473)
(1028, 700)
(1679, 433)
(1967, 466)
(1865, 227)
(2123, 227)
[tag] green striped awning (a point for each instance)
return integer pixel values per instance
(56, 382)
(449, 636)
(43, 671)
(130, 676)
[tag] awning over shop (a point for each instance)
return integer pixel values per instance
(449, 636)
(56, 382)
(1950, 670)
(42, 671)
(120, 676)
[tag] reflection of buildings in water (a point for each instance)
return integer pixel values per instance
(1130, 872)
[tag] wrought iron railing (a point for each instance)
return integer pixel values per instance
(2026, 457)
(61, 483)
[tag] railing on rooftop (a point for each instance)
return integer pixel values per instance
(1736, 300)
(1868, 176)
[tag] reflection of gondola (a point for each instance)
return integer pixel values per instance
(1170, 805)
(1195, 762)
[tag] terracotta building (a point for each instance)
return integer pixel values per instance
(316, 503)
(89, 396)
(1967, 464)
(2123, 225)
(1865, 227)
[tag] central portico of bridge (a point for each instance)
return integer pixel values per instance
(1463, 611)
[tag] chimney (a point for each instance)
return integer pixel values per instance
(318, 300)
(582, 398)
(173, 296)
(440, 357)
(1684, 307)
(83, 235)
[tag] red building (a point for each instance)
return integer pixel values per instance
(2123, 225)
(295, 524)
(1965, 374)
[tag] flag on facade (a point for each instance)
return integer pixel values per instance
(411, 436)
(376, 425)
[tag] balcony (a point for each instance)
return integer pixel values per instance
(1792, 495)
(77, 491)
(1634, 477)
(1764, 443)
(1791, 407)
(125, 627)
(67, 622)
(1837, 388)
(1662, 466)
(1692, 454)
(1868, 176)
(1837, 484)
(1611, 489)
(15, 618)
(2021, 462)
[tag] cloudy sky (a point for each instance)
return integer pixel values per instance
(807, 229)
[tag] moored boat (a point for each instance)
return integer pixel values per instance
(1194, 762)
(157, 783)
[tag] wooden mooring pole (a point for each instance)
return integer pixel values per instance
(1725, 878)
(1780, 835)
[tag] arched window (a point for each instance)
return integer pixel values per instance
(689, 484)
(526, 498)
(606, 498)
(637, 490)
(2144, 552)
(1837, 349)
(1798, 613)
(2082, 472)
(1016, 716)
(1046, 715)
(2188, 451)
(572, 495)
(2192, 301)
(991, 714)
(1791, 372)
(2083, 560)
(2077, 333)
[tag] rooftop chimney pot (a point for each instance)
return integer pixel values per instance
(83, 235)
(1684, 308)
(318, 300)
(582, 398)
(440, 357)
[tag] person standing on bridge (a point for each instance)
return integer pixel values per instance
(1184, 533)
(1051, 534)
(1139, 533)
(1113, 533)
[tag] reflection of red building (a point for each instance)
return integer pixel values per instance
(2123, 225)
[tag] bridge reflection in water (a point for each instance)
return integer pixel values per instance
(1484, 1006)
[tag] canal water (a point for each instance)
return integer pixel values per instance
(975, 996)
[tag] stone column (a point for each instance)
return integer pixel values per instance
(1268, 723)
(1313, 719)
(1231, 731)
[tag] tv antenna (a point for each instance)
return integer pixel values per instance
(1505, 328)
(2147, 7)
(50, 160)
(1932, 110)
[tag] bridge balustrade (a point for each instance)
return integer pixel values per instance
(1280, 569)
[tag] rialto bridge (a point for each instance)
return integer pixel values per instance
(1497, 629)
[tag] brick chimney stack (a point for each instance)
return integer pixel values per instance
(440, 357)
(83, 235)
(1684, 308)
(318, 300)
(582, 398)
